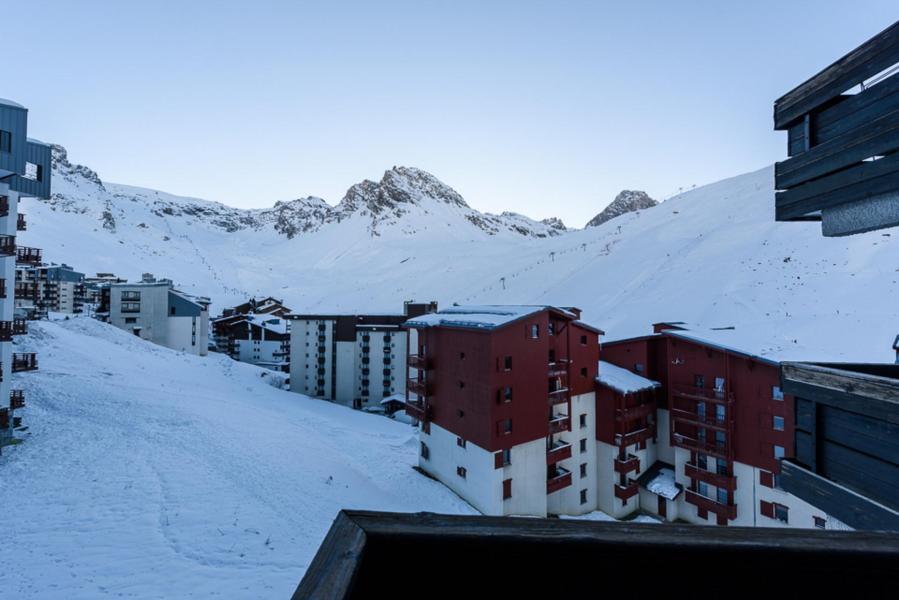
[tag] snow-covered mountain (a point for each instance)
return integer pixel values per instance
(625, 202)
(713, 256)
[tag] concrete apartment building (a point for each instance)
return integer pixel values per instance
(256, 332)
(505, 399)
(355, 360)
(43, 288)
(155, 311)
(24, 172)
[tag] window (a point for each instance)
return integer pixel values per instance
(505, 426)
(781, 513)
(700, 410)
(639, 368)
(461, 472)
(425, 451)
(722, 496)
(699, 381)
(5, 141)
(583, 340)
(721, 466)
(507, 393)
(720, 439)
(583, 420)
(460, 442)
(507, 456)
(702, 462)
(551, 328)
(171, 310)
(460, 413)
(461, 385)
(777, 393)
(778, 423)
(507, 489)
(507, 363)
(778, 451)
(535, 332)
(130, 307)
(583, 371)
(583, 496)
(129, 320)
(461, 356)
(583, 470)
(130, 295)
(583, 446)
(552, 357)
(820, 522)
(719, 413)
(703, 488)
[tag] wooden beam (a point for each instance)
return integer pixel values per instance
(332, 572)
(865, 394)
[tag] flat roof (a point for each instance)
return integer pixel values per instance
(11, 104)
(481, 317)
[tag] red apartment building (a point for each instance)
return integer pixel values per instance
(505, 396)
(717, 422)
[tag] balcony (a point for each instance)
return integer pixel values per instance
(706, 394)
(558, 396)
(558, 368)
(703, 420)
(20, 223)
(19, 327)
(559, 423)
(7, 245)
(417, 409)
(626, 492)
(728, 482)
(634, 437)
(4, 206)
(631, 413)
(422, 363)
(16, 399)
(558, 451)
(420, 388)
(24, 361)
(704, 446)
(557, 479)
(722, 510)
(631, 463)
(26, 255)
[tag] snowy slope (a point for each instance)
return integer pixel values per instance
(713, 257)
(150, 473)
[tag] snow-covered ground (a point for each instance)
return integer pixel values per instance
(154, 474)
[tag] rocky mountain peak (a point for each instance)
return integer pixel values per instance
(625, 202)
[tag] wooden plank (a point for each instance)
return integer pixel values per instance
(874, 138)
(855, 110)
(333, 570)
(870, 395)
(871, 436)
(875, 479)
(862, 181)
(872, 57)
(836, 500)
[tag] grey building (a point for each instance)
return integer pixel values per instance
(24, 172)
(155, 311)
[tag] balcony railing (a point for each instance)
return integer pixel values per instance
(703, 420)
(558, 396)
(558, 368)
(630, 413)
(558, 451)
(16, 399)
(417, 361)
(7, 245)
(559, 423)
(634, 437)
(631, 463)
(723, 510)
(705, 446)
(420, 388)
(24, 361)
(417, 409)
(20, 223)
(626, 492)
(557, 479)
(706, 394)
(26, 255)
(728, 482)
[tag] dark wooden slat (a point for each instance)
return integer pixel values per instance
(850, 508)
(872, 57)
(854, 110)
(870, 395)
(878, 137)
(876, 479)
(871, 436)
(333, 570)
(862, 181)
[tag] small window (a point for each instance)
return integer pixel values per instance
(460, 442)
(507, 456)
(778, 452)
(461, 385)
(507, 393)
(777, 393)
(535, 332)
(820, 522)
(699, 381)
(461, 472)
(778, 423)
(425, 451)
(782, 513)
(460, 413)
(583, 470)
(551, 328)
(507, 363)
(583, 420)
(702, 462)
(583, 445)
(5, 141)
(703, 488)
(583, 371)
(583, 340)
(507, 489)
(506, 426)
(722, 496)
(583, 496)
(461, 356)
(129, 320)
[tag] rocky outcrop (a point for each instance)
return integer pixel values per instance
(626, 202)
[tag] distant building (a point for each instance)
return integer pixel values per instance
(43, 288)
(505, 398)
(155, 311)
(256, 332)
(94, 288)
(356, 360)
(24, 172)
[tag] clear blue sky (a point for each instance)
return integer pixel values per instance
(545, 108)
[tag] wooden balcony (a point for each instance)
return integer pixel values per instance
(631, 413)
(728, 511)
(631, 463)
(27, 255)
(557, 479)
(626, 492)
(16, 399)
(7, 245)
(704, 394)
(728, 482)
(420, 388)
(635, 437)
(559, 423)
(24, 361)
(704, 446)
(707, 421)
(558, 369)
(417, 409)
(559, 396)
(558, 451)
(422, 363)
(20, 223)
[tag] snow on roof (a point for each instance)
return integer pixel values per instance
(394, 398)
(274, 324)
(486, 317)
(10, 103)
(622, 380)
(659, 479)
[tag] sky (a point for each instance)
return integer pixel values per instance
(544, 108)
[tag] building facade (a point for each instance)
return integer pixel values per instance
(505, 399)
(24, 172)
(712, 421)
(256, 332)
(155, 311)
(43, 288)
(355, 360)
